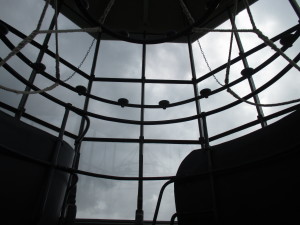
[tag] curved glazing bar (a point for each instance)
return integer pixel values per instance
(178, 120)
(255, 70)
(290, 150)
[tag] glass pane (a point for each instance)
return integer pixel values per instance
(107, 129)
(167, 206)
(79, 55)
(172, 92)
(8, 81)
(168, 61)
(106, 199)
(117, 159)
(119, 59)
(162, 160)
(231, 118)
(178, 131)
(216, 54)
(113, 92)
(45, 109)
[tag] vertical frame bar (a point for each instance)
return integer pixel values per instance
(23, 101)
(72, 196)
(204, 139)
(54, 161)
(139, 216)
(259, 109)
(198, 107)
(295, 7)
(87, 99)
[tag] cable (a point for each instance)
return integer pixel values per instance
(266, 39)
(22, 44)
(229, 90)
(230, 46)
(57, 58)
(29, 38)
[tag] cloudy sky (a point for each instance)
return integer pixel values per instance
(115, 199)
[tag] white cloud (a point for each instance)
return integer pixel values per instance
(111, 199)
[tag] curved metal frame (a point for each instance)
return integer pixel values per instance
(178, 120)
(200, 116)
(118, 36)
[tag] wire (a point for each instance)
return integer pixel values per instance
(29, 38)
(267, 42)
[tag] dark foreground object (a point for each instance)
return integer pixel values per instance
(256, 179)
(24, 184)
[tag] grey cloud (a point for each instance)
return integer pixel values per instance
(110, 199)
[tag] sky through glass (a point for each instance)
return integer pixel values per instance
(108, 199)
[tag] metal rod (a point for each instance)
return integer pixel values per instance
(51, 171)
(203, 134)
(173, 219)
(159, 200)
(137, 122)
(198, 108)
(148, 81)
(250, 79)
(87, 98)
(295, 7)
(21, 107)
(210, 171)
(139, 217)
(84, 121)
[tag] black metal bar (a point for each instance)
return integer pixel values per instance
(47, 51)
(246, 65)
(268, 61)
(147, 81)
(146, 141)
(115, 222)
(22, 103)
(295, 7)
(159, 200)
(84, 122)
(205, 131)
(204, 134)
(255, 122)
(83, 74)
(139, 215)
(214, 111)
(250, 52)
(152, 141)
(87, 98)
(149, 40)
(173, 219)
(54, 162)
(83, 133)
(36, 120)
(70, 196)
(198, 108)
(258, 90)
(292, 148)
(210, 171)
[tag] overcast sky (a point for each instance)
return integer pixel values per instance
(115, 199)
